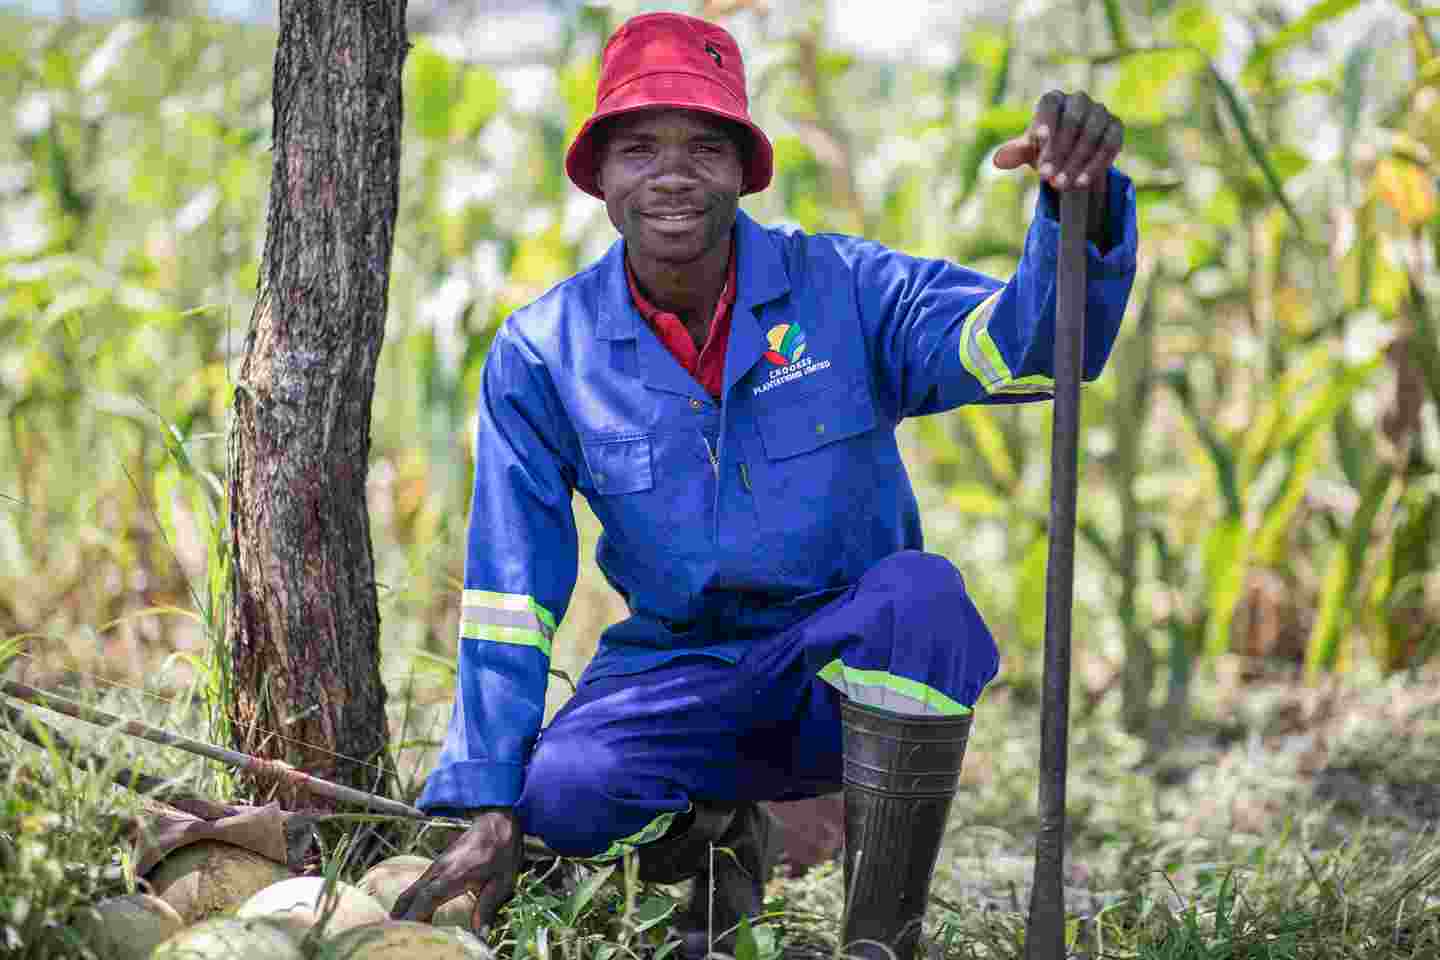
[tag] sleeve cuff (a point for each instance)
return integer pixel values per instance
(470, 784)
(1123, 226)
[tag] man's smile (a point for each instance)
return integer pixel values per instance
(681, 218)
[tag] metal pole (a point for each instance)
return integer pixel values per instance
(263, 768)
(1046, 937)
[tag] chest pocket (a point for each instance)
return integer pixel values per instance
(620, 465)
(818, 417)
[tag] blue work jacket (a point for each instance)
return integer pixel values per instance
(724, 522)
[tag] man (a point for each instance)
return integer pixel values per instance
(726, 396)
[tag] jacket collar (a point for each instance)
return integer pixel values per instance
(761, 275)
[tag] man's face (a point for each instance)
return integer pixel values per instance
(671, 180)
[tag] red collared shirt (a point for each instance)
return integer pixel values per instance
(706, 365)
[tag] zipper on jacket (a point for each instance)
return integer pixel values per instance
(745, 477)
(714, 460)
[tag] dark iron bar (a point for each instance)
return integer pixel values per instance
(1045, 939)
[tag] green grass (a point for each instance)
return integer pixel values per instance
(1289, 824)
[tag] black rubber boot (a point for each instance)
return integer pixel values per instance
(900, 773)
(729, 887)
(681, 853)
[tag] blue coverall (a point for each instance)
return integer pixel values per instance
(768, 547)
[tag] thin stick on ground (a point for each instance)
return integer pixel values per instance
(28, 727)
(255, 765)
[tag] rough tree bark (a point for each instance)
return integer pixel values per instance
(304, 624)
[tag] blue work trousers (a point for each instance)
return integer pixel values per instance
(627, 754)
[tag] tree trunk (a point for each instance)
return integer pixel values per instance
(304, 624)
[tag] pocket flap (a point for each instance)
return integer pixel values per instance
(815, 419)
(619, 466)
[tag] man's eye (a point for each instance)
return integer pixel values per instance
(636, 149)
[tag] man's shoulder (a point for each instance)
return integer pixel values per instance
(813, 255)
(543, 323)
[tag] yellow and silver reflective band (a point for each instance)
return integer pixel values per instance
(879, 688)
(649, 833)
(981, 355)
(506, 618)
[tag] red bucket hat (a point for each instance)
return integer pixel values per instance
(670, 60)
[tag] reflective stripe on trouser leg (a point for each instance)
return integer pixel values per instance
(908, 640)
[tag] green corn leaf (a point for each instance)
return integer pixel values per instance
(1227, 560)
(1351, 447)
(989, 441)
(431, 91)
(1320, 409)
(1000, 82)
(1322, 649)
(1144, 80)
(976, 500)
(940, 447)
(1298, 31)
(1089, 532)
(1400, 594)
(1115, 20)
(1030, 594)
(988, 48)
(1241, 119)
(481, 96)
(1196, 24)
(442, 668)
(1222, 457)
(1271, 541)
(1004, 122)
(1426, 342)
(1268, 423)
(1352, 98)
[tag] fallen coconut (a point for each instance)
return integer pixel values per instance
(303, 902)
(402, 940)
(209, 878)
(226, 938)
(128, 927)
(389, 878)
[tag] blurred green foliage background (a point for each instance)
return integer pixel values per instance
(1260, 461)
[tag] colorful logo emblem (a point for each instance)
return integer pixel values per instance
(787, 344)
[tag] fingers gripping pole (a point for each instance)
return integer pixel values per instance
(1046, 937)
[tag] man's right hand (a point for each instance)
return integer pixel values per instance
(485, 861)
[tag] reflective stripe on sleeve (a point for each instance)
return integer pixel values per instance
(878, 688)
(506, 618)
(981, 355)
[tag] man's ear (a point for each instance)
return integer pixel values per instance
(600, 146)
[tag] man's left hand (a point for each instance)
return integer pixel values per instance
(1071, 142)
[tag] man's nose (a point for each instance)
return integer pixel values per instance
(675, 170)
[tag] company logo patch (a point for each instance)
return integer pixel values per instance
(787, 356)
(787, 344)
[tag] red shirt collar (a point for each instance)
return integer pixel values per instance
(707, 365)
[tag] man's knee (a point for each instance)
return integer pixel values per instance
(927, 580)
(569, 789)
(928, 598)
